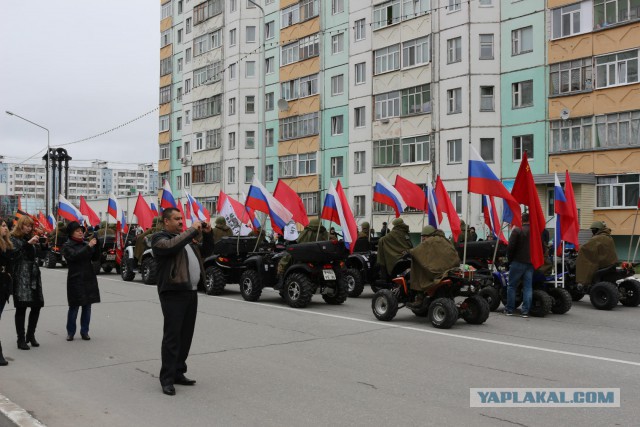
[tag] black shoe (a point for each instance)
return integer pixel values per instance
(169, 390)
(3, 361)
(182, 380)
(86, 337)
(22, 345)
(69, 337)
(32, 339)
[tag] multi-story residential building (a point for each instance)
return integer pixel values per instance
(594, 108)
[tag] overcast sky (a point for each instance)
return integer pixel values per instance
(79, 68)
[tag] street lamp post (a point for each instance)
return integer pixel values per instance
(262, 159)
(46, 183)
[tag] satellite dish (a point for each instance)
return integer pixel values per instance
(564, 114)
(283, 105)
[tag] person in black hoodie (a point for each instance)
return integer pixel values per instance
(180, 269)
(520, 268)
(82, 283)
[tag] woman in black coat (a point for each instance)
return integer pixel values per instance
(6, 268)
(27, 283)
(82, 284)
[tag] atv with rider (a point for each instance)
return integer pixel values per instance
(226, 265)
(362, 268)
(138, 258)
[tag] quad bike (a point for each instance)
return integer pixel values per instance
(609, 286)
(54, 256)
(130, 265)
(439, 303)
(480, 254)
(362, 268)
(107, 261)
(226, 265)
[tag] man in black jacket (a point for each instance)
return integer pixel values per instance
(180, 269)
(520, 268)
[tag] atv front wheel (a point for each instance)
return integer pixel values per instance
(475, 310)
(126, 272)
(492, 296)
(50, 260)
(561, 300)
(384, 305)
(214, 282)
(540, 304)
(354, 282)
(604, 295)
(443, 313)
(148, 270)
(298, 290)
(629, 293)
(250, 285)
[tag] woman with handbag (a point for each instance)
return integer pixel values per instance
(6, 255)
(27, 283)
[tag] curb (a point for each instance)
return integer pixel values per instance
(12, 415)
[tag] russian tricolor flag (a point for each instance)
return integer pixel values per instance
(434, 213)
(336, 209)
(167, 200)
(112, 206)
(385, 193)
(67, 211)
(261, 200)
(197, 211)
(491, 217)
(52, 221)
(154, 209)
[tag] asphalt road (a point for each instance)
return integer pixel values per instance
(266, 364)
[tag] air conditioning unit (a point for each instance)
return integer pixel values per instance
(184, 160)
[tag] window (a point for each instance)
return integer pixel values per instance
(269, 137)
(486, 98)
(299, 126)
(165, 151)
(232, 37)
(198, 174)
(290, 16)
(250, 139)
(232, 5)
(360, 73)
(387, 105)
(268, 173)
(618, 129)
(165, 66)
(609, 12)
(310, 202)
(180, 62)
(337, 85)
(232, 71)
(207, 75)
(416, 100)
(521, 41)
(456, 200)
(359, 118)
(337, 43)
(179, 96)
(232, 106)
(486, 2)
(231, 175)
(486, 46)
(178, 123)
(415, 52)
(187, 179)
(387, 59)
(187, 55)
(187, 148)
(250, 104)
(307, 164)
(521, 144)
(232, 140)
(359, 208)
(207, 107)
(179, 182)
(337, 125)
(416, 149)
(212, 172)
(287, 166)
(454, 101)
(165, 94)
(454, 5)
(359, 158)
(454, 50)
(570, 76)
(336, 166)
(269, 65)
(199, 141)
(522, 94)
(187, 85)
(413, 8)
(166, 10)
(565, 21)
(213, 139)
(180, 36)
(249, 172)
(617, 69)
(269, 30)
(250, 5)
(206, 10)
(386, 152)
(180, 6)
(617, 191)
(165, 38)
(187, 26)
(300, 50)
(269, 101)
(250, 34)
(486, 149)
(454, 151)
(207, 42)
(187, 117)
(164, 123)
(250, 70)
(360, 30)
(308, 9)
(386, 14)
(573, 134)
(337, 6)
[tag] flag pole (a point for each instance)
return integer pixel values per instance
(106, 227)
(635, 252)
(555, 251)
(495, 250)
(633, 232)
(466, 228)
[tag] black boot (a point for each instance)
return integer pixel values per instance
(22, 344)
(3, 361)
(32, 339)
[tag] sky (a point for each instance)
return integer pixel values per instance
(79, 68)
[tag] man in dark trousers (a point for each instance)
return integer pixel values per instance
(180, 269)
(520, 268)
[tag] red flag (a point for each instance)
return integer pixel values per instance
(88, 213)
(119, 243)
(412, 194)
(143, 212)
(184, 218)
(444, 201)
(524, 191)
(43, 222)
(571, 201)
(292, 201)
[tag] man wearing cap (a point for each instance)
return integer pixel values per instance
(82, 284)
(221, 229)
(430, 262)
(392, 246)
(599, 252)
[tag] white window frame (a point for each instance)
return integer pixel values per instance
(454, 101)
(387, 59)
(613, 69)
(250, 34)
(486, 44)
(565, 21)
(386, 14)
(337, 85)
(359, 162)
(232, 106)
(359, 117)
(416, 52)
(250, 104)
(387, 105)
(521, 143)
(337, 125)
(454, 151)
(360, 71)
(416, 149)
(360, 29)
(521, 91)
(337, 43)
(483, 153)
(487, 101)
(454, 50)
(337, 167)
(522, 41)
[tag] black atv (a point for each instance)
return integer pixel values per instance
(226, 265)
(129, 264)
(439, 304)
(107, 261)
(480, 253)
(362, 268)
(53, 255)
(609, 286)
